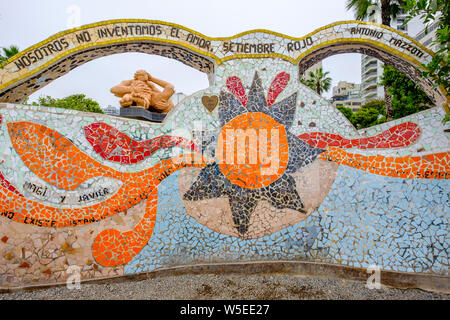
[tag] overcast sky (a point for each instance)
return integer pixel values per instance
(26, 22)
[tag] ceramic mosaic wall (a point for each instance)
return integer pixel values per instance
(118, 196)
(46, 61)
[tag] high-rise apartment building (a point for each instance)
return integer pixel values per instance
(347, 94)
(372, 68)
(426, 36)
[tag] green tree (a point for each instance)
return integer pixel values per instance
(318, 81)
(346, 111)
(389, 9)
(377, 104)
(77, 102)
(446, 118)
(429, 11)
(8, 53)
(407, 97)
(370, 114)
(365, 117)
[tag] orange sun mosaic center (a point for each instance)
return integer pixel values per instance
(252, 150)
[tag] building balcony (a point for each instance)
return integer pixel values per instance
(369, 77)
(371, 87)
(370, 98)
(365, 58)
(338, 98)
(422, 34)
(370, 94)
(369, 84)
(368, 60)
(369, 68)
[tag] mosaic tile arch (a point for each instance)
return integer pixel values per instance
(44, 62)
(257, 167)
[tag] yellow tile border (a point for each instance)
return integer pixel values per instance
(363, 41)
(218, 60)
(116, 21)
(93, 25)
(211, 55)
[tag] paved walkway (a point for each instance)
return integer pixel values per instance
(229, 286)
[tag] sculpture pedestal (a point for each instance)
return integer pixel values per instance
(141, 114)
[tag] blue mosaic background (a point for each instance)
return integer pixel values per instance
(398, 224)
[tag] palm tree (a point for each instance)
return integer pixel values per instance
(318, 81)
(8, 53)
(389, 8)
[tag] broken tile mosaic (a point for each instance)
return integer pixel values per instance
(263, 168)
